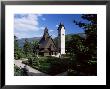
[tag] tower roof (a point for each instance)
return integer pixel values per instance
(60, 26)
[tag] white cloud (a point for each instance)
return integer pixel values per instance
(29, 22)
(26, 24)
(21, 35)
(51, 30)
(28, 34)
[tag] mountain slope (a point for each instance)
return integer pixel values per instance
(22, 40)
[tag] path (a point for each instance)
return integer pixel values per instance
(32, 71)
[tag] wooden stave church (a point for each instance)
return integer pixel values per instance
(47, 45)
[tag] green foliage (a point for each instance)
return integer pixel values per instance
(56, 41)
(30, 48)
(16, 48)
(90, 43)
(17, 71)
(18, 52)
(27, 48)
(32, 61)
(86, 49)
(35, 46)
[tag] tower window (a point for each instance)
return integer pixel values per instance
(62, 34)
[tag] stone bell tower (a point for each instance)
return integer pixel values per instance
(61, 39)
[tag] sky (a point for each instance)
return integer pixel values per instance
(33, 25)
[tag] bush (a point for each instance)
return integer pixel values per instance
(32, 61)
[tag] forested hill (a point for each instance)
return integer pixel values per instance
(68, 36)
(22, 40)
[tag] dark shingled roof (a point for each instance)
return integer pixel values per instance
(46, 43)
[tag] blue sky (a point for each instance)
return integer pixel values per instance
(33, 25)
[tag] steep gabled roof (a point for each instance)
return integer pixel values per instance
(47, 41)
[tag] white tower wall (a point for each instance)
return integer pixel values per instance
(62, 41)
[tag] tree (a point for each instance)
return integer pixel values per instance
(18, 52)
(88, 54)
(16, 48)
(15, 43)
(35, 47)
(91, 33)
(27, 47)
(68, 45)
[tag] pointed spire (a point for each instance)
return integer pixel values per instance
(46, 34)
(45, 30)
(60, 25)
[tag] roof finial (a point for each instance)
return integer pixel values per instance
(61, 24)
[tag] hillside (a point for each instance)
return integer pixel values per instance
(22, 40)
